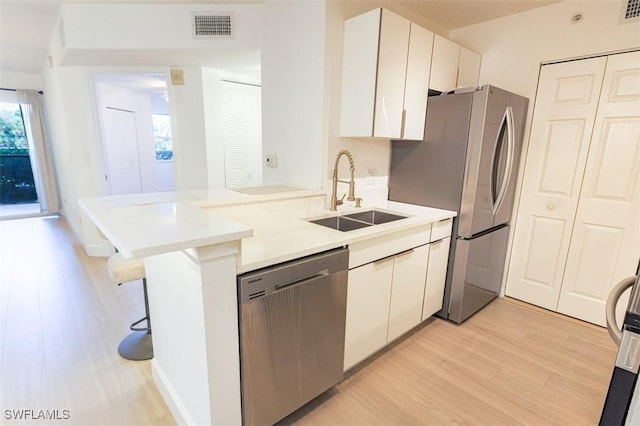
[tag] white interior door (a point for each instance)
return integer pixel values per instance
(242, 135)
(558, 147)
(605, 245)
(121, 144)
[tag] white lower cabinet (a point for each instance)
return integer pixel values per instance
(395, 282)
(436, 277)
(385, 299)
(368, 295)
(407, 291)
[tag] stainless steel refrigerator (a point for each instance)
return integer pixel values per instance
(467, 162)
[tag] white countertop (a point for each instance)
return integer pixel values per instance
(273, 225)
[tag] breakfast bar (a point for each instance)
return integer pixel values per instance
(195, 244)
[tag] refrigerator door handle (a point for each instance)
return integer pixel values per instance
(506, 126)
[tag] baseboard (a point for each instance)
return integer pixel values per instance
(174, 403)
(92, 250)
(74, 229)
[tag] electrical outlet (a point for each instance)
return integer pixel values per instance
(371, 177)
(271, 160)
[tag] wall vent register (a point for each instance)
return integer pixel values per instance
(212, 25)
(630, 11)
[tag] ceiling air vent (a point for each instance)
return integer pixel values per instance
(213, 25)
(630, 11)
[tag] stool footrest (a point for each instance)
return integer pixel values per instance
(133, 327)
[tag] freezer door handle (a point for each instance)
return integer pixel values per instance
(498, 193)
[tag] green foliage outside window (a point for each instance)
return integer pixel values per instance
(16, 178)
(162, 136)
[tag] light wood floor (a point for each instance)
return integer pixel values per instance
(61, 321)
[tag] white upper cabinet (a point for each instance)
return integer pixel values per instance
(468, 68)
(444, 64)
(417, 82)
(452, 66)
(385, 74)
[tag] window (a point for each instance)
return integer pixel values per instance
(162, 136)
(16, 176)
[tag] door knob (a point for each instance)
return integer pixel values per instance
(550, 207)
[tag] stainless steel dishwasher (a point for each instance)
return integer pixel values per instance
(292, 319)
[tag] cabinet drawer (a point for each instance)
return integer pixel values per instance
(441, 229)
(368, 251)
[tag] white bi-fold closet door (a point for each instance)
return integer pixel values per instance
(577, 230)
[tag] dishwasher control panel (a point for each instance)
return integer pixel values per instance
(263, 282)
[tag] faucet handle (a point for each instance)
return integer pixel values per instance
(341, 200)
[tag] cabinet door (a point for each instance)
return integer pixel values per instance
(561, 129)
(436, 277)
(392, 68)
(407, 291)
(468, 68)
(605, 243)
(417, 82)
(368, 295)
(359, 64)
(444, 64)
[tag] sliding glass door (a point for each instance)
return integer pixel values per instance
(27, 179)
(18, 195)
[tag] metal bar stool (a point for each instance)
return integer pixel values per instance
(138, 345)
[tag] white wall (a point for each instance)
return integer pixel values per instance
(188, 130)
(68, 100)
(20, 80)
(293, 91)
(214, 126)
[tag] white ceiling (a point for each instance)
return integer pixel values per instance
(26, 25)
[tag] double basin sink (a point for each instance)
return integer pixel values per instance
(353, 221)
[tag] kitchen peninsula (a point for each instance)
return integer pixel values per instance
(195, 243)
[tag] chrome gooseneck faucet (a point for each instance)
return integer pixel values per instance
(334, 199)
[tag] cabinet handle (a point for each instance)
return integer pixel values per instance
(393, 256)
(384, 259)
(404, 118)
(404, 253)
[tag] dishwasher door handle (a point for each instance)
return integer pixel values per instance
(284, 286)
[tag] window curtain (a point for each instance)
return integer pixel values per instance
(39, 150)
